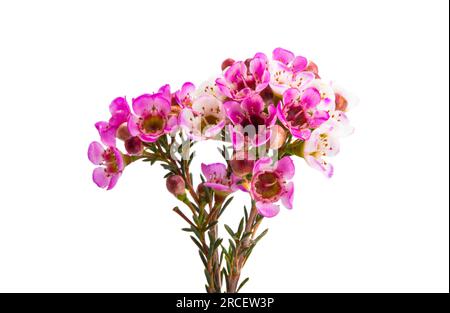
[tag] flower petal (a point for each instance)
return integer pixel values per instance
(95, 153)
(113, 181)
(283, 55)
(165, 92)
(299, 64)
(267, 209)
(141, 105)
(107, 133)
(218, 187)
(254, 105)
(302, 134)
(291, 95)
(311, 98)
(133, 127)
(100, 178)
(263, 164)
(286, 168)
(234, 112)
(119, 104)
(319, 164)
(288, 197)
(214, 171)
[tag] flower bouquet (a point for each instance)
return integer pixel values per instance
(263, 112)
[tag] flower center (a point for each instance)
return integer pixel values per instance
(111, 162)
(153, 124)
(209, 120)
(296, 116)
(268, 186)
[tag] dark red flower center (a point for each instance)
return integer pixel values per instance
(268, 186)
(153, 124)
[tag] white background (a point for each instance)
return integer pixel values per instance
(381, 224)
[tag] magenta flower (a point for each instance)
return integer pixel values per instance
(243, 79)
(152, 116)
(111, 165)
(120, 112)
(291, 62)
(270, 184)
(218, 178)
(298, 111)
(251, 120)
(184, 96)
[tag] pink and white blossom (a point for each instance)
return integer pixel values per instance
(218, 178)
(288, 71)
(251, 118)
(243, 79)
(271, 184)
(298, 111)
(111, 165)
(205, 119)
(120, 112)
(152, 116)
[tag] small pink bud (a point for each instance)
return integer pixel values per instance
(134, 146)
(341, 103)
(227, 63)
(278, 137)
(201, 191)
(175, 184)
(122, 132)
(312, 67)
(242, 163)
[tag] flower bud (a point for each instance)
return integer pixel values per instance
(175, 184)
(227, 63)
(278, 137)
(242, 163)
(134, 146)
(122, 132)
(312, 67)
(341, 103)
(201, 191)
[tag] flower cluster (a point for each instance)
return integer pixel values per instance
(264, 112)
(267, 109)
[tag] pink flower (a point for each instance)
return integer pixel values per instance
(327, 94)
(184, 96)
(218, 178)
(205, 119)
(152, 116)
(288, 71)
(251, 119)
(270, 184)
(242, 79)
(111, 165)
(322, 143)
(120, 112)
(298, 111)
(291, 62)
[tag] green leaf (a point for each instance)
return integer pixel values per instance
(261, 236)
(214, 223)
(240, 229)
(243, 284)
(245, 215)
(197, 243)
(202, 257)
(230, 231)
